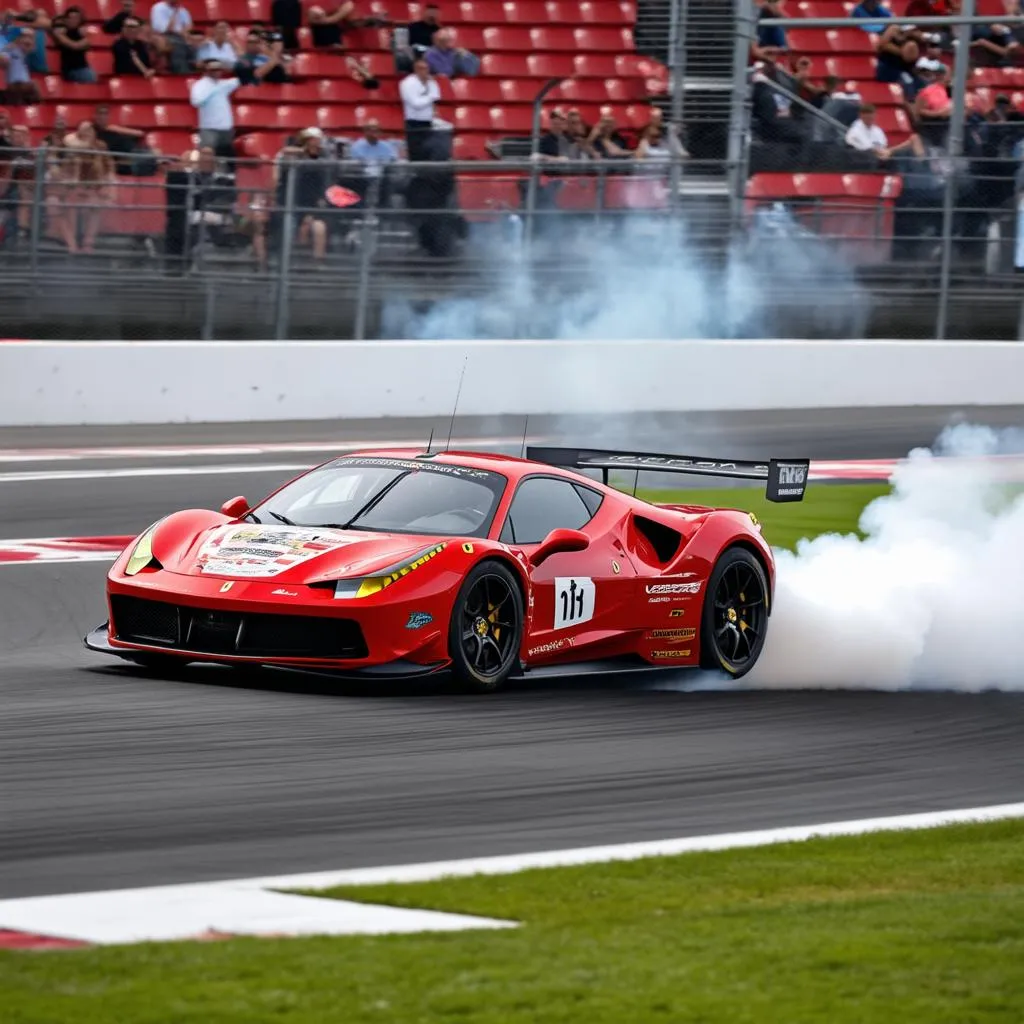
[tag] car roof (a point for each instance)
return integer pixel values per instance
(510, 466)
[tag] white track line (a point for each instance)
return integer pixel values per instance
(257, 906)
(232, 450)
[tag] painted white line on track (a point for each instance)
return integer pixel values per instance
(150, 471)
(233, 450)
(257, 906)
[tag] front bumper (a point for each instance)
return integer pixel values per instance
(98, 640)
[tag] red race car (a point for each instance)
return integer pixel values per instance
(408, 562)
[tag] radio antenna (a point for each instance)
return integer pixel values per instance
(430, 440)
(526, 427)
(458, 392)
(636, 480)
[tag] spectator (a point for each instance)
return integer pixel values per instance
(771, 41)
(286, 17)
(447, 59)
(74, 47)
(419, 92)
(200, 205)
(360, 72)
(196, 40)
(898, 54)
(113, 26)
(838, 104)
(866, 136)
(605, 141)
(211, 96)
(576, 128)
(771, 115)
(372, 150)
(86, 180)
(932, 106)
(313, 176)
(22, 173)
(327, 29)
(555, 145)
(992, 45)
(422, 32)
(39, 21)
(20, 90)
(220, 47)
(262, 60)
(1014, 9)
(874, 10)
(131, 55)
(125, 144)
(55, 138)
(654, 147)
(171, 22)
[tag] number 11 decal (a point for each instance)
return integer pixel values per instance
(574, 600)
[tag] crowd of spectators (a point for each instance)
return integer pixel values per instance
(802, 122)
(81, 163)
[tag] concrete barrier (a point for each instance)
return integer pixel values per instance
(176, 382)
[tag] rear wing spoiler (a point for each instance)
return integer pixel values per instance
(785, 479)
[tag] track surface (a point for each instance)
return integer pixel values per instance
(109, 780)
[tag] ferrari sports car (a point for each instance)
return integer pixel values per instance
(393, 563)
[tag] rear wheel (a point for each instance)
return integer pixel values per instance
(735, 619)
(486, 628)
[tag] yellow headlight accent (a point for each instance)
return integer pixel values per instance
(142, 555)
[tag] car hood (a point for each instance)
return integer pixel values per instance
(296, 554)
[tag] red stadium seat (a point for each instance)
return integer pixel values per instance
(131, 89)
(470, 147)
(231, 11)
(73, 113)
(471, 37)
(999, 78)
(472, 119)
(880, 93)
(102, 62)
(510, 120)
(484, 198)
(594, 65)
(857, 68)
(607, 12)
(174, 115)
(551, 65)
(171, 143)
(478, 90)
(504, 65)
(56, 90)
(515, 90)
(552, 38)
(507, 38)
(582, 90)
(829, 40)
(609, 40)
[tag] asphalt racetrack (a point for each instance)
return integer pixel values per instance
(110, 779)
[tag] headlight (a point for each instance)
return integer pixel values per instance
(142, 555)
(365, 586)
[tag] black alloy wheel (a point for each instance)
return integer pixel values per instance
(486, 628)
(735, 619)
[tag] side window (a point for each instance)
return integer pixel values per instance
(540, 506)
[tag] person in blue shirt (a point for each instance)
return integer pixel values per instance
(372, 150)
(872, 9)
(771, 39)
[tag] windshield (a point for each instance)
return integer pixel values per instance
(389, 495)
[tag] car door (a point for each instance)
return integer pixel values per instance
(578, 596)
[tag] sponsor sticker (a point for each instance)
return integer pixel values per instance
(417, 620)
(672, 634)
(673, 588)
(281, 592)
(666, 655)
(259, 550)
(677, 613)
(574, 600)
(550, 647)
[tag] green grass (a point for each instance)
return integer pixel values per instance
(826, 508)
(894, 927)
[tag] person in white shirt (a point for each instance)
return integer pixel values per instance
(219, 47)
(419, 92)
(865, 135)
(171, 23)
(211, 96)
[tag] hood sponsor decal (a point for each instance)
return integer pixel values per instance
(261, 551)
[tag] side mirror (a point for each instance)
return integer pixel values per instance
(558, 541)
(235, 508)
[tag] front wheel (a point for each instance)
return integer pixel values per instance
(486, 628)
(735, 618)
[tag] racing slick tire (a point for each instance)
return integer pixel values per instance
(486, 628)
(734, 621)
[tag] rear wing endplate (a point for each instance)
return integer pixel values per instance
(785, 479)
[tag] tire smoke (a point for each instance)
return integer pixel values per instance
(928, 599)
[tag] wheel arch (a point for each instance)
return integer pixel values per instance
(769, 572)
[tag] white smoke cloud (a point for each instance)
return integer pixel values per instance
(646, 279)
(927, 599)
